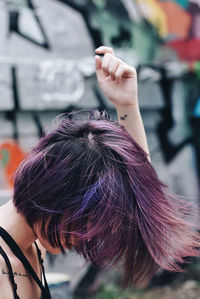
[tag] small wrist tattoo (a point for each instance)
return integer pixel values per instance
(15, 273)
(123, 117)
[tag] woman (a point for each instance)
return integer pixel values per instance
(89, 185)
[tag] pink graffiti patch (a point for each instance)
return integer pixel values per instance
(187, 50)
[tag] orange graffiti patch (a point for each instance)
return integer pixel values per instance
(11, 155)
(178, 20)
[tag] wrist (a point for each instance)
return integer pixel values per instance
(127, 108)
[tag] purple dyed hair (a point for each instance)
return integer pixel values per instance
(89, 178)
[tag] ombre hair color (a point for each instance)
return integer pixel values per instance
(89, 179)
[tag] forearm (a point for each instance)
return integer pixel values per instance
(130, 118)
(118, 81)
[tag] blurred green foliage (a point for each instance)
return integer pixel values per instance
(111, 292)
(197, 69)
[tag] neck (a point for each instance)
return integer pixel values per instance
(17, 226)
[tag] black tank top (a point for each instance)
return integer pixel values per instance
(19, 254)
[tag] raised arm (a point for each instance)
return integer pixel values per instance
(118, 81)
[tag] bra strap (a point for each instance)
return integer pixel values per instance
(19, 254)
(10, 270)
(42, 265)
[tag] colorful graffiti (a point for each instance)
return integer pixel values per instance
(10, 156)
(177, 23)
(46, 56)
(41, 78)
(158, 30)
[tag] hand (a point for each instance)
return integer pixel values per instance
(117, 79)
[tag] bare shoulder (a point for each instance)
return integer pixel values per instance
(5, 284)
(4, 272)
(3, 268)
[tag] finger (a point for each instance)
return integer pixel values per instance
(98, 62)
(99, 71)
(106, 62)
(114, 64)
(104, 50)
(119, 72)
(124, 70)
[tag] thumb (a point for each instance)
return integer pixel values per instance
(99, 71)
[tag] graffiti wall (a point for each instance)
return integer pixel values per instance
(157, 30)
(47, 67)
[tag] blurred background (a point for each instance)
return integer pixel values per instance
(47, 67)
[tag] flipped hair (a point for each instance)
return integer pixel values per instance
(90, 179)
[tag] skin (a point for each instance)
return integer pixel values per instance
(24, 237)
(118, 81)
